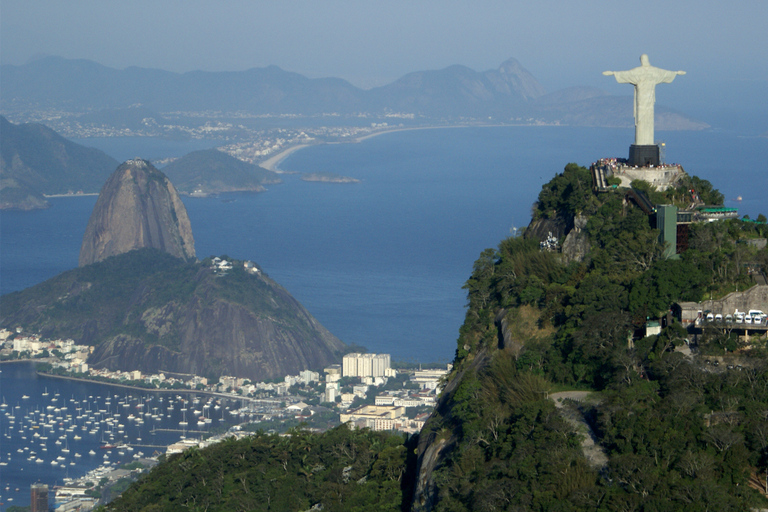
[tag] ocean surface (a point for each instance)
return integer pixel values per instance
(380, 263)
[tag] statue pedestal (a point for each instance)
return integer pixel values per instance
(643, 156)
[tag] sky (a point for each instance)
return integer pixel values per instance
(722, 46)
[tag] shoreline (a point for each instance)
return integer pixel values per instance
(70, 195)
(137, 388)
(271, 164)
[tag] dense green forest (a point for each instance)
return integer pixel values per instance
(675, 432)
(342, 470)
(679, 435)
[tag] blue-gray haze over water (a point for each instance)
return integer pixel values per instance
(380, 263)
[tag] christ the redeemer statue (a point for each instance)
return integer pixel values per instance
(644, 78)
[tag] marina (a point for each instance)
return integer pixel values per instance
(57, 429)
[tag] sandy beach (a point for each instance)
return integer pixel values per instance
(271, 164)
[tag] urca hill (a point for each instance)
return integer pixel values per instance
(146, 304)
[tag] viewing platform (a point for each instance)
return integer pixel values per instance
(661, 177)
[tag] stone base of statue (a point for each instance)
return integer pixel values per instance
(643, 156)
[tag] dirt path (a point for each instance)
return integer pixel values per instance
(594, 453)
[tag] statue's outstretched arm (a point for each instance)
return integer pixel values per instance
(609, 73)
(680, 72)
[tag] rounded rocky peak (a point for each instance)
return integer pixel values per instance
(138, 207)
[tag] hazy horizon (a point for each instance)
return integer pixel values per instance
(722, 48)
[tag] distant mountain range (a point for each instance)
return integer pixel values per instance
(35, 161)
(100, 94)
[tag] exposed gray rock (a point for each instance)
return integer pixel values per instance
(506, 341)
(576, 245)
(539, 229)
(138, 207)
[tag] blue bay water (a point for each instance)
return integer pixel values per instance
(45, 420)
(380, 263)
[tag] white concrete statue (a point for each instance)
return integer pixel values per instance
(644, 78)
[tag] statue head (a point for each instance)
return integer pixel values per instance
(644, 60)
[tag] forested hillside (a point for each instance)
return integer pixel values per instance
(671, 432)
(678, 434)
(147, 310)
(35, 160)
(343, 470)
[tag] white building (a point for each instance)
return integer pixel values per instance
(365, 365)
(308, 376)
(429, 379)
(385, 400)
(376, 417)
(332, 373)
(360, 390)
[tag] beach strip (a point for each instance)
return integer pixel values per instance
(271, 164)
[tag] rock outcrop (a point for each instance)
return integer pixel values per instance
(138, 207)
(576, 245)
(539, 229)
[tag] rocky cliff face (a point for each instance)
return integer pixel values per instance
(559, 227)
(138, 207)
(211, 335)
(576, 245)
